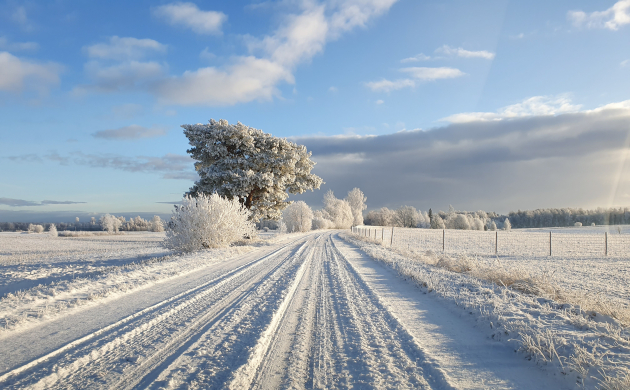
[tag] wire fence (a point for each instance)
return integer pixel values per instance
(504, 243)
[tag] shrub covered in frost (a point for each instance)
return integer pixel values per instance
(156, 224)
(578, 224)
(35, 228)
(298, 217)
(207, 222)
(52, 230)
(507, 225)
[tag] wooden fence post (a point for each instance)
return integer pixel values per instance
(549, 243)
(391, 243)
(443, 235)
(606, 243)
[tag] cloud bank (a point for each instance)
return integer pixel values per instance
(571, 159)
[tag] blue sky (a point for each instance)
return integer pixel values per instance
(495, 105)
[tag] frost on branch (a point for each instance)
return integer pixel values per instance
(298, 217)
(257, 168)
(207, 222)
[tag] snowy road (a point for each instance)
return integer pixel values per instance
(311, 313)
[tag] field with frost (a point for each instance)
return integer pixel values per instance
(577, 264)
(44, 277)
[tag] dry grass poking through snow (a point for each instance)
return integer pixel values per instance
(541, 284)
(585, 338)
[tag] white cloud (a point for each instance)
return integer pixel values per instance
(612, 18)
(131, 132)
(624, 63)
(189, 15)
(418, 73)
(460, 52)
(274, 57)
(18, 74)
(126, 75)
(122, 49)
(17, 46)
(417, 58)
(247, 79)
(534, 106)
(332, 89)
(379, 101)
(385, 85)
(431, 74)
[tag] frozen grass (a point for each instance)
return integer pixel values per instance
(525, 309)
(80, 233)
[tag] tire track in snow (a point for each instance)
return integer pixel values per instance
(245, 376)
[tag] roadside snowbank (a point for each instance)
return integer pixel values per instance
(589, 348)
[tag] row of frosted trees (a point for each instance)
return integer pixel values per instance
(408, 216)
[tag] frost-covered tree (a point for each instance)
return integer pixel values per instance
(298, 217)
(207, 222)
(357, 200)
(321, 220)
(406, 216)
(507, 225)
(156, 224)
(437, 222)
(35, 228)
(52, 230)
(256, 168)
(457, 221)
(380, 217)
(338, 210)
(110, 223)
(492, 226)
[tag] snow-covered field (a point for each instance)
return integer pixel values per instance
(44, 277)
(599, 277)
(308, 310)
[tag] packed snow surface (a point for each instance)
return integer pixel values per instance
(311, 310)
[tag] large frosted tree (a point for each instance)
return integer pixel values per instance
(243, 162)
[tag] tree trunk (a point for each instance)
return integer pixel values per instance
(248, 201)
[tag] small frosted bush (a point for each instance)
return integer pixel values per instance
(156, 224)
(52, 230)
(507, 225)
(578, 224)
(298, 217)
(207, 222)
(35, 228)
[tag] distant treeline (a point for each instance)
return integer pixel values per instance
(408, 216)
(133, 224)
(568, 217)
